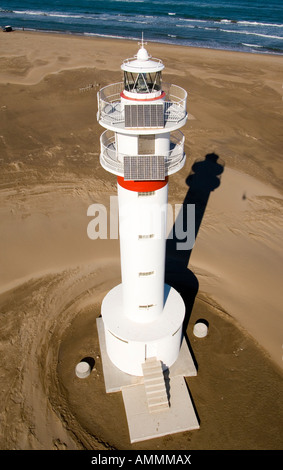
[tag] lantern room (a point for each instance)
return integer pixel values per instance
(142, 74)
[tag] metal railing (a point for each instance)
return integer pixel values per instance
(111, 110)
(109, 103)
(114, 160)
(131, 59)
(175, 94)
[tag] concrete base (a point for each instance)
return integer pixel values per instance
(115, 379)
(130, 342)
(143, 425)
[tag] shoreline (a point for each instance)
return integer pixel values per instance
(98, 37)
(134, 41)
(149, 41)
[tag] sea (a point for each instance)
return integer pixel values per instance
(254, 26)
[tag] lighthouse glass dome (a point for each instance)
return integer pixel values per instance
(142, 73)
(142, 82)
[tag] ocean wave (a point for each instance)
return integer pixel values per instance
(51, 14)
(246, 23)
(94, 16)
(255, 23)
(251, 45)
(249, 33)
(185, 26)
(134, 21)
(194, 20)
(112, 36)
(30, 12)
(55, 14)
(128, 1)
(61, 15)
(226, 21)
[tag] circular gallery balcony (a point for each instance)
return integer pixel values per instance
(111, 109)
(113, 161)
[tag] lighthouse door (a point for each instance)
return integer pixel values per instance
(150, 350)
(146, 145)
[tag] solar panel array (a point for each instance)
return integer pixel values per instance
(144, 168)
(144, 115)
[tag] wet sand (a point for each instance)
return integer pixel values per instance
(54, 277)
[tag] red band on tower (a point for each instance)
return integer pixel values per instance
(141, 186)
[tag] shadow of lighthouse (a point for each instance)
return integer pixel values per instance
(203, 179)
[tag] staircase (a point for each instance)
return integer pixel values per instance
(154, 383)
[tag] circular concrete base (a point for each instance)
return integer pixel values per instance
(130, 343)
(127, 329)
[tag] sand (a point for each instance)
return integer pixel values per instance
(53, 277)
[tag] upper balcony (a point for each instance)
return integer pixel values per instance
(111, 112)
(113, 161)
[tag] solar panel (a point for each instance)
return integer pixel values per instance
(144, 115)
(144, 168)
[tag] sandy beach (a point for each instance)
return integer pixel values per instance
(53, 277)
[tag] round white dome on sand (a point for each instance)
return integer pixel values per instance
(82, 370)
(200, 329)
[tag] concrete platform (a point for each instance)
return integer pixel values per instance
(143, 425)
(180, 416)
(115, 379)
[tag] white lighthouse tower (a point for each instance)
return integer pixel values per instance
(142, 317)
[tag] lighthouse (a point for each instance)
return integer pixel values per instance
(142, 145)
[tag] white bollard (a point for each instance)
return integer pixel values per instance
(82, 370)
(200, 329)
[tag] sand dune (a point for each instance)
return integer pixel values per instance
(237, 255)
(53, 277)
